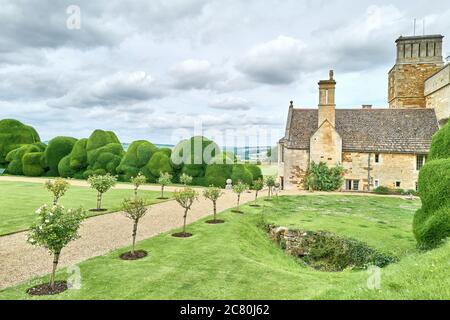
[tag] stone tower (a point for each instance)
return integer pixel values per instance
(418, 58)
(327, 104)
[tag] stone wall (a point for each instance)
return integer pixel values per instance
(407, 85)
(326, 145)
(294, 167)
(390, 169)
(437, 92)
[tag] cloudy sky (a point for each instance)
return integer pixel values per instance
(147, 68)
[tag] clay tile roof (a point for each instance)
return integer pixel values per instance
(368, 130)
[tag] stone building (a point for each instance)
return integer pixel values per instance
(376, 146)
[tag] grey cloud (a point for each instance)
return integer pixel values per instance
(230, 103)
(195, 74)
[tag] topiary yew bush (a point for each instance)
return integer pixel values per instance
(217, 174)
(431, 223)
(13, 135)
(137, 156)
(242, 174)
(15, 158)
(159, 162)
(33, 164)
(255, 171)
(57, 149)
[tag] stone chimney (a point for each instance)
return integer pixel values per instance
(327, 105)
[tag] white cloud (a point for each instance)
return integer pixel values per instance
(230, 103)
(195, 74)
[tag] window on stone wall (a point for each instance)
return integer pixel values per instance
(352, 185)
(398, 184)
(355, 185)
(377, 158)
(417, 186)
(376, 183)
(420, 161)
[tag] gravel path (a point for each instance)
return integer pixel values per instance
(19, 261)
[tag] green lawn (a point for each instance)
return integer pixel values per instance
(19, 201)
(236, 260)
(269, 170)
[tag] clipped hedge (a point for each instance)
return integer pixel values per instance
(57, 149)
(255, 171)
(434, 185)
(15, 158)
(440, 146)
(217, 175)
(78, 156)
(241, 173)
(159, 162)
(33, 164)
(137, 156)
(13, 135)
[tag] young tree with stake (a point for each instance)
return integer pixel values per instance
(102, 184)
(58, 187)
(270, 183)
(186, 179)
(258, 185)
(239, 189)
(213, 194)
(54, 230)
(185, 198)
(134, 209)
(164, 180)
(138, 181)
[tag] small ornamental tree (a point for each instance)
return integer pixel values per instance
(54, 229)
(185, 198)
(322, 178)
(134, 209)
(58, 187)
(270, 183)
(257, 185)
(213, 194)
(138, 181)
(186, 179)
(239, 189)
(101, 183)
(164, 180)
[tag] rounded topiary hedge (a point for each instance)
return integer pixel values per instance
(241, 173)
(440, 147)
(33, 164)
(217, 174)
(15, 158)
(57, 149)
(159, 162)
(78, 156)
(137, 156)
(13, 135)
(432, 222)
(255, 171)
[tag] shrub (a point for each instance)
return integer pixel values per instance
(270, 183)
(57, 149)
(432, 229)
(64, 168)
(166, 151)
(15, 158)
(159, 162)
(185, 199)
(78, 157)
(382, 190)
(213, 194)
(13, 135)
(54, 230)
(58, 188)
(217, 174)
(239, 188)
(434, 185)
(440, 146)
(101, 183)
(164, 179)
(134, 209)
(185, 179)
(32, 164)
(255, 171)
(194, 155)
(138, 181)
(257, 185)
(322, 178)
(241, 173)
(137, 156)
